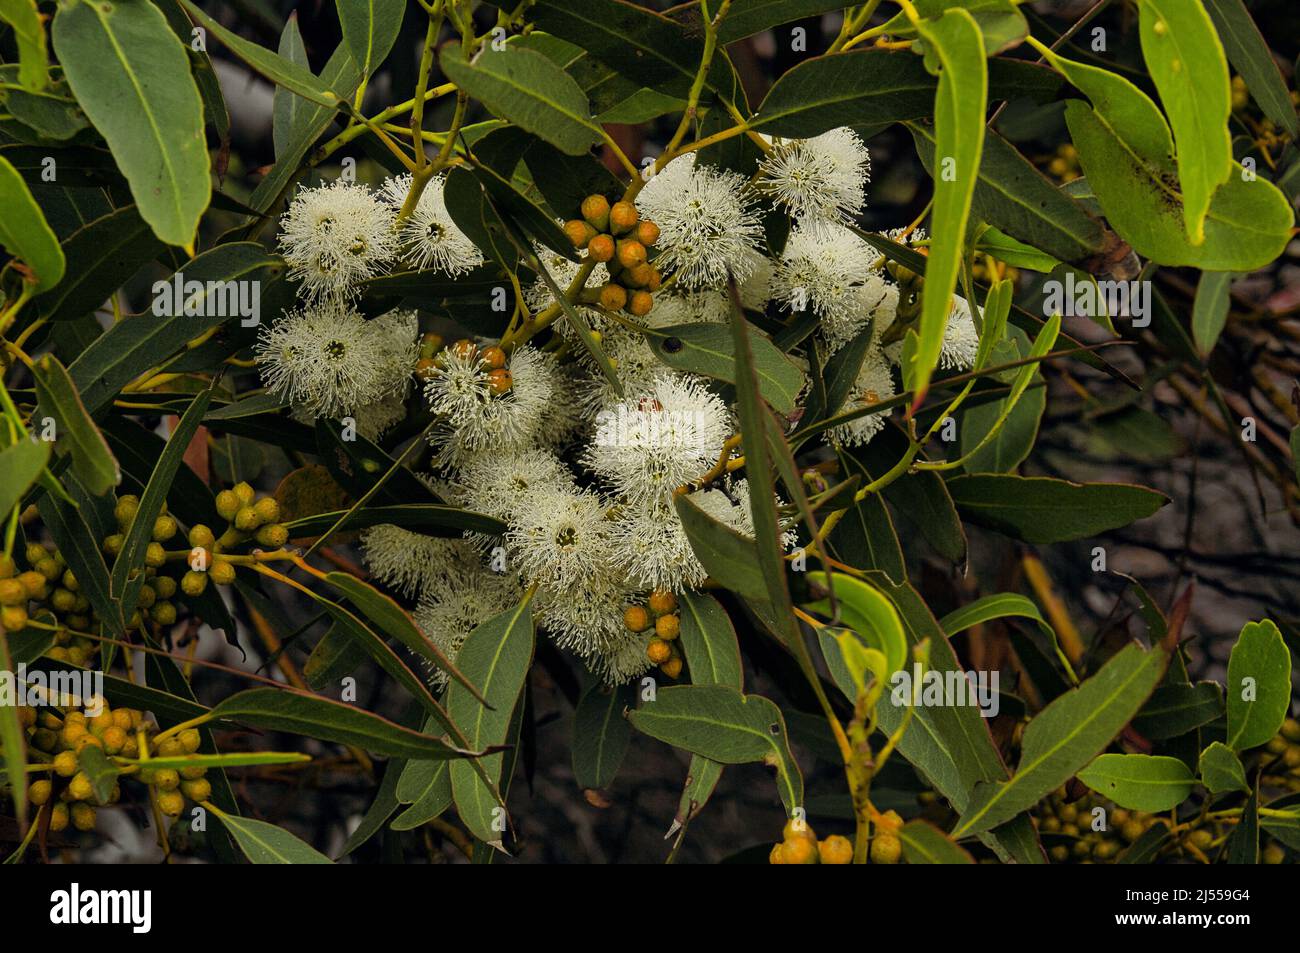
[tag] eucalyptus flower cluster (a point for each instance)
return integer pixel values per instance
(584, 469)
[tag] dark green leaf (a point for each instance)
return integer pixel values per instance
(387, 617)
(1013, 195)
(862, 86)
(278, 70)
(15, 740)
(1187, 64)
(1258, 686)
(526, 88)
(1221, 769)
(288, 110)
(956, 46)
(29, 36)
(1210, 309)
(130, 559)
(633, 41)
(1176, 709)
(865, 537)
(92, 461)
(708, 349)
(20, 466)
(432, 519)
(601, 734)
(923, 843)
(24, 232)
(428, 785)
(1249, 53)
(722, 724)
(264, 843)
(275, 709)
(1046, 510)
(729, 557)
(108, 251)
(138, 343)
(1243, 842)
(370, 29)
(80, 549)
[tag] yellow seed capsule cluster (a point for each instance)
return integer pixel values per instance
(251, 520)
(658, 618)
(48, 585)
(18, 588)
(1064, 165)
(171, 787)
(1067, 829)
(799, 845)
(618, 237)
(60, 736)
(1282, 767)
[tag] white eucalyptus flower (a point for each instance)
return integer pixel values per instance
(659, 439)
(399, 334)
(822, 269)
(875, 304)
(475, 419)
(732, 508)
(624, 659)
(410, 562)
(377, 418)
(431, 238)
(961, 340)
(498, 485)
(651, 549)
(448, 614)
(824, 177)
(585, 616)
(326, 358)
(708, 227)
(698, 307)
(756, 290)
(635, 365)
(334, 236)
(559, 538)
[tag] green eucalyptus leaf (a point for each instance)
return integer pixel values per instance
(723, 724)
(1047, 510)
(1190, 70)
(495, 658)
(1066, 736)
(708, 349)
(92, 461)
(526, 88)
(1140, 782)
(1258, 686)
(1221, 769)
(24, 233)
(131, 75)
